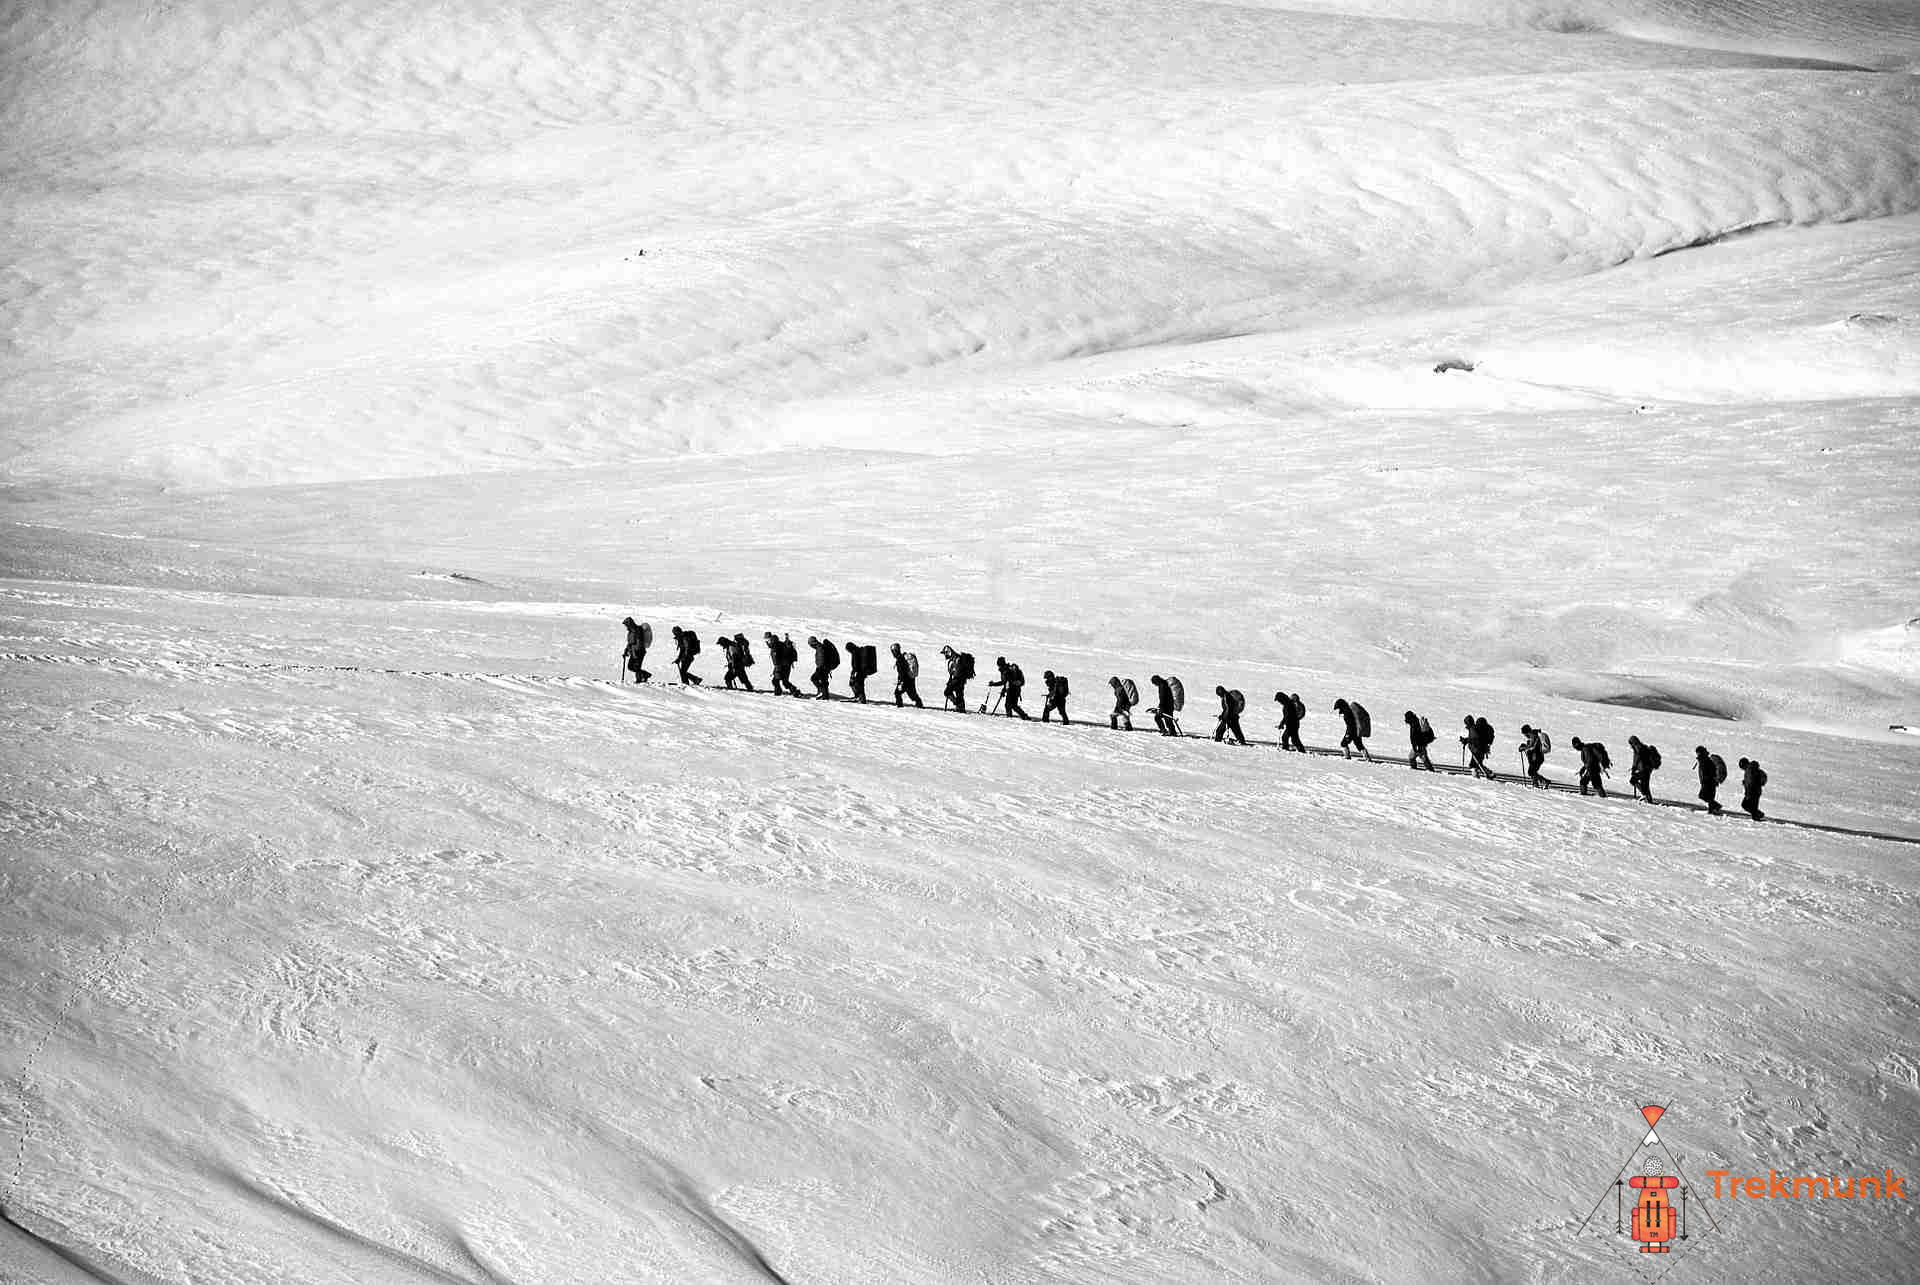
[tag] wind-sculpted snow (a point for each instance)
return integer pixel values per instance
(1875, 33)
(374, 270)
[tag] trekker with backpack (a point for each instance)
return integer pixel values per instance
(1056, 685)
(1010, 682)
(1165, 708)
(1419, 736)
(1293, 708)
(1535, 745)
(737, 660)
(959, 672)
(1753, 779)
(1712, 770)
(861, 665)
(906, 668)
(1594, 764)
(743, 651)
(1231, 703)
(1016, 684)
(1479, 743)
(1125, 697)
(826, 659)
(784, 656)
(686, 645)
(634, 658)
(1646, 759)
(1359, 726)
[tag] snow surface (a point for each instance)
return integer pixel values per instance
(364, 363)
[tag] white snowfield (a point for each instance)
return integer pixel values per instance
(362, 364)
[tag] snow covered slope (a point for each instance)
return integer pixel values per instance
(481, 974)
(362, 364)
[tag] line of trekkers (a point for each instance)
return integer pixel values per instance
(1169, 700)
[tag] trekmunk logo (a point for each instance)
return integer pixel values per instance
(1658, 1218)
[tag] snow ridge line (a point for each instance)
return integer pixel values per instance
(110, 957)
(1322, 751)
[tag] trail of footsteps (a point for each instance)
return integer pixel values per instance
(1388, 760)
(509, 681)
(535, 682)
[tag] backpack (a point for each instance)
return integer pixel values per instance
(646, 635)
(913, 664)
(965, 670)
(1133, 693)
(1013, 673)
(1483, 733)
(1179, 694)
(1060, 686)
(829, 655)
(1237, 702)
(742, 650)
(693, 642)
(1759, 776)
(1426, 731)
(1606, 760)
(1298, 704)
(1719, 769)
(1546, 742)
(1362, 719)
(869, 660)
(1653, 757)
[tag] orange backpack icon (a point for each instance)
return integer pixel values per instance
(1653, 1222)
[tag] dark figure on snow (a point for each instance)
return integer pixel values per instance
(903, 676)
(857, 671)
(1533, 753)
(686, 645)
(738, 658)
(1355, 737)
(1122, 705)
(1231, 703)
(1056, 697)
(1709, 779)
(959, 671)
(1752, 780)
(1419, 736)
(1479, 743)
(1010, 682)
(634, 659)
(1293, 708)
(1163, 709)
(1594, 762)
(784, 656)
(826, 659)
(1640, 775)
